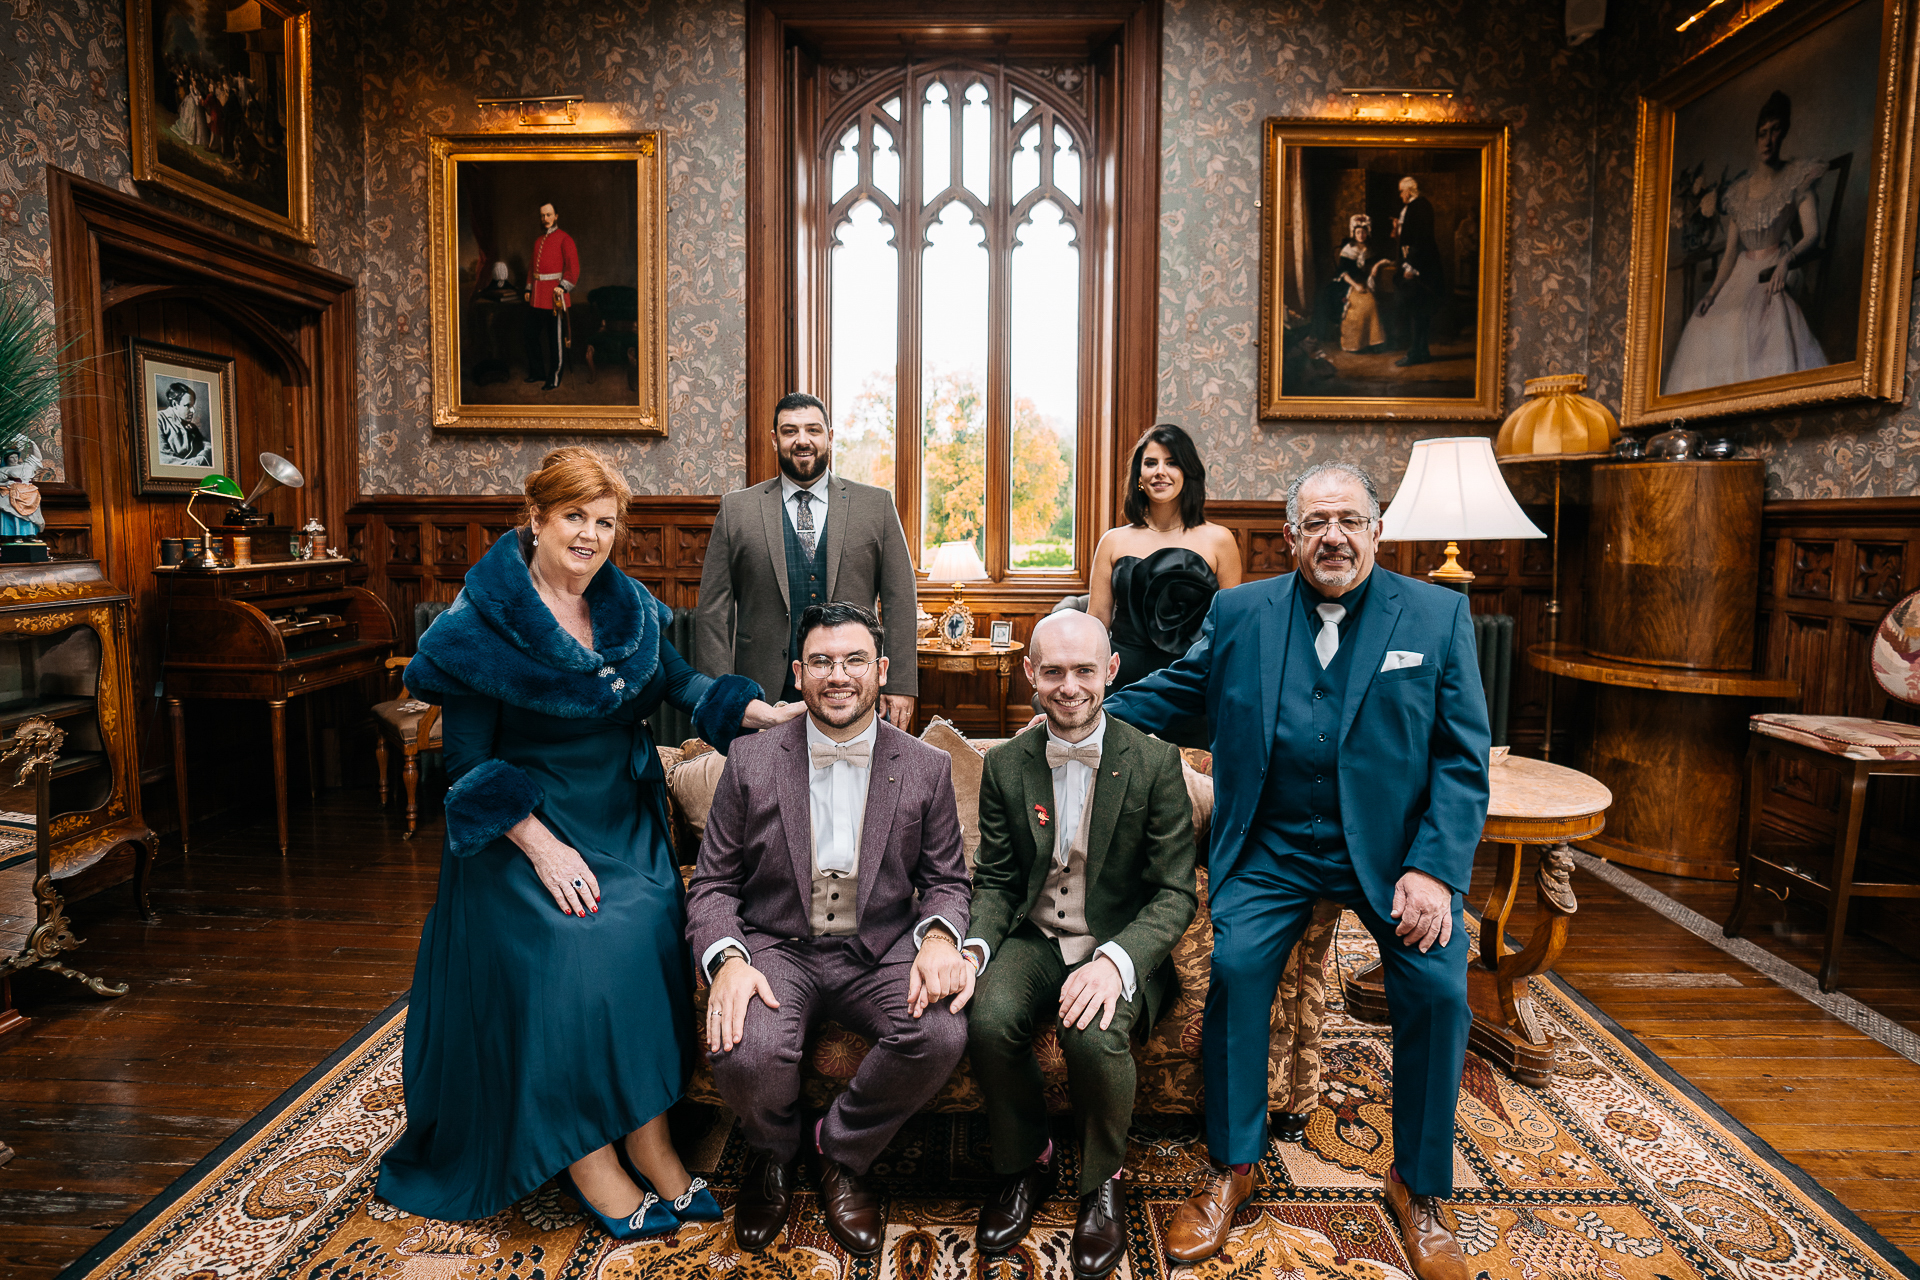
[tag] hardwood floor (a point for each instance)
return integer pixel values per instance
(260, 968)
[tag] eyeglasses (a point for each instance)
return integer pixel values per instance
(1315, 526)
(820, 666)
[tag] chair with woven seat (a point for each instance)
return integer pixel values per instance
(1859, 749)
(410, 725)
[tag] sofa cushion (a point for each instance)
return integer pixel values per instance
(969, 766)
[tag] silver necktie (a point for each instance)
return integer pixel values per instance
(803, 522)
(1327, 643)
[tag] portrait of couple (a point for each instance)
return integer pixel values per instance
(554, 1011)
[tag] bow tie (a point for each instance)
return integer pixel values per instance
(1087, 753)
(826, 755)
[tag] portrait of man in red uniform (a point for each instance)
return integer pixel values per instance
(554, 271)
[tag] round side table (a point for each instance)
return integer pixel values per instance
(981, 658)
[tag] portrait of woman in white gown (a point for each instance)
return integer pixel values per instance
(1749, 325)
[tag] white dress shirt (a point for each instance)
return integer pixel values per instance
(837, 796)
(819, 493)
(1072, 782)
(837, 809)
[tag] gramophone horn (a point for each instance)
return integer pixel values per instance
(275, 469)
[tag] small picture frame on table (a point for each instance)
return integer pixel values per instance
(1001, 635)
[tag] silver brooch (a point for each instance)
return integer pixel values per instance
(618, 685)
(604, 671)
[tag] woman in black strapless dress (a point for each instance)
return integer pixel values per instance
(1154, 576)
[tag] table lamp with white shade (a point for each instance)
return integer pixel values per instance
(957, 563)
(1453, 492)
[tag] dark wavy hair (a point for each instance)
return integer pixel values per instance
(801, 400)
(1193, 493)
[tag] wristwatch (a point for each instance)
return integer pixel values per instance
(731, 953)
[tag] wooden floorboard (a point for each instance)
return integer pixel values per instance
(261, 967)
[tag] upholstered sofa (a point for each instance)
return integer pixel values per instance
(1169, 1058)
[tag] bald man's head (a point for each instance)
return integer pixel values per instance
(1070, 661)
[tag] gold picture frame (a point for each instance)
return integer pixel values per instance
(1347, 332)
(225, 117)
(485, 197)
(181, 408)
(1831, 86)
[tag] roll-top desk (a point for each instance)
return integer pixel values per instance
(266, 633)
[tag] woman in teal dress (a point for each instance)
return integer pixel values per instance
(547, 1031)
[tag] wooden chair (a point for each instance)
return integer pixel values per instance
(1859, 749)
(410, 725)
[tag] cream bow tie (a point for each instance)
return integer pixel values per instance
(825, 756)
(1087, 753)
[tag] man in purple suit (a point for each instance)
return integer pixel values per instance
(803, 907)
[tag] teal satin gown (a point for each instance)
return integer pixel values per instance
(535, 1037)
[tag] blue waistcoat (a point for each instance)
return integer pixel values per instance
(1300, 803)
(806, 580)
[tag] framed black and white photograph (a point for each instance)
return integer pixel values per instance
(1002, 635)
(182, 416)
(1774, 194)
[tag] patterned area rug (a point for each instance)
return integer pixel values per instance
(1618, 1172)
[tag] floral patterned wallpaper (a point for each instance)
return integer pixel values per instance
(388, 73)
(63, 102)
(675, 65)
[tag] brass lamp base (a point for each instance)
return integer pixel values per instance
(1452, 573)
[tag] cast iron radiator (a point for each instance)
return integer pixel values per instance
(672, 726)
(1493, 634)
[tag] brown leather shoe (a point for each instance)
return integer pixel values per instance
(852, 1209)
(1431, 1248)
(1100, 1232)
(766, 1193)
(1201, 1225)
(1008, 1213)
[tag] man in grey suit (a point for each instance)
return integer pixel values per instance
(805, 537)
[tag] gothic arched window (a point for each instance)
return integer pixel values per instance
(953, 201)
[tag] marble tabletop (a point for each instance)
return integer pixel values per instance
(1528, 788)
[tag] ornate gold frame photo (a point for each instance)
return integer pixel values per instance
(1383, 270)
(1774, 191)
(548, 274)
(181, 409)
(224, 115)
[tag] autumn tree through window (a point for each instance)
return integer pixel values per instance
(953, 223)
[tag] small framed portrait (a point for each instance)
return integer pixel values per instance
(222, 99)
(182, 416)
(1383, 270)
(1002, 634)
(548, 266)
(1774, 194)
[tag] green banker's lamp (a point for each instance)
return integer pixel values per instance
(218, 488)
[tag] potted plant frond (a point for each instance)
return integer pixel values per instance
(31, 375)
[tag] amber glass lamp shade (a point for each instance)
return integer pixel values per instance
(1557, 421)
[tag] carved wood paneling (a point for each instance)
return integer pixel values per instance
(460, 530)
(1878, 570)
(1811, 576)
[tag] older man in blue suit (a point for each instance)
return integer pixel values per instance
(1350, 762)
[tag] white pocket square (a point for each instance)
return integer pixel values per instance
(1398, 658)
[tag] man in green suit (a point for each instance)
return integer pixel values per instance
(1083, 883)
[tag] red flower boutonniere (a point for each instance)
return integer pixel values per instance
(1042, 811)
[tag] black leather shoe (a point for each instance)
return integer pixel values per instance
(1290, 1126)
(766, 1193)
(1008, 1213)
(1100, 1232)
(852, 1209)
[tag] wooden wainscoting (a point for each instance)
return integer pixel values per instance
(1829, 571)
(420, 548)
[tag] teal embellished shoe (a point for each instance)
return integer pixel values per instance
(696, 1204)
(652, 1218)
